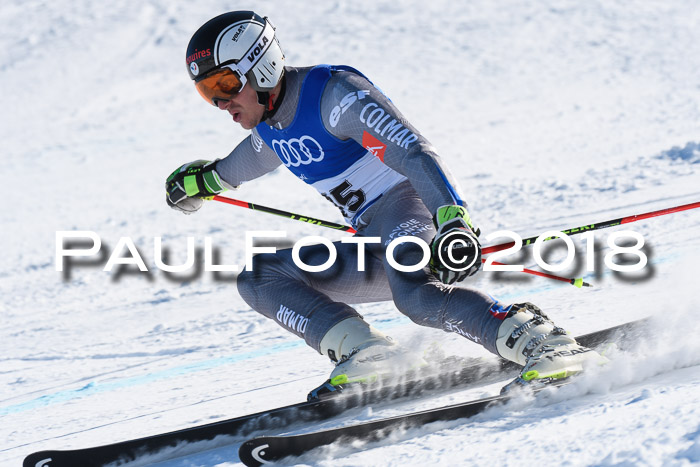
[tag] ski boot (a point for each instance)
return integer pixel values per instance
(548, 354)
(362, 354)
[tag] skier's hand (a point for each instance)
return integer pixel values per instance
(455, 250)
(191, 183)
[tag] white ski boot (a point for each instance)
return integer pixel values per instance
(528, 337)
(364, 355)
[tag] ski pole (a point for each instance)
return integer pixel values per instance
(575, 282)
(597, 226)
(332, 225)
(287, 214)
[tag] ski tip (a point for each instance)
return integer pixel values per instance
(43, 459)
(254, 453)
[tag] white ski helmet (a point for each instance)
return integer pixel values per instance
(239, 46)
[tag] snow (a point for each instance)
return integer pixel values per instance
(551, 114)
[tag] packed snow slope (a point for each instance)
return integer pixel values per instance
(550, 114)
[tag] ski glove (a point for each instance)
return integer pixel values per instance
(455, 250)
(192, 183)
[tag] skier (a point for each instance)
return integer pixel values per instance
(332, 128)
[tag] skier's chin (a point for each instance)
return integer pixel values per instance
(247, 125)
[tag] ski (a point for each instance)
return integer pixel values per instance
(451, 374)
(269, 449)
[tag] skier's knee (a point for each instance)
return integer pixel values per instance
(265, 270)
(246, 286)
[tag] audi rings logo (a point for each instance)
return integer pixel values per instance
(298, 151)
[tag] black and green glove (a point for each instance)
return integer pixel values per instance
(455, 250)
(190, 184)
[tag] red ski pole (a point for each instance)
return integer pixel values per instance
(345, 228)
(575, 282)
(287, 214)
(597, 226)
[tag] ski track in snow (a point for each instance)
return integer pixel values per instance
(550, 114)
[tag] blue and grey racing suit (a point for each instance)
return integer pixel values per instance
(340, 134)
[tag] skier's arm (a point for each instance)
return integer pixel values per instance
(251, 159)
(353, 108)
(191, 183)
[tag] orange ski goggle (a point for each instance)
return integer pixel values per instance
(220, 84)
